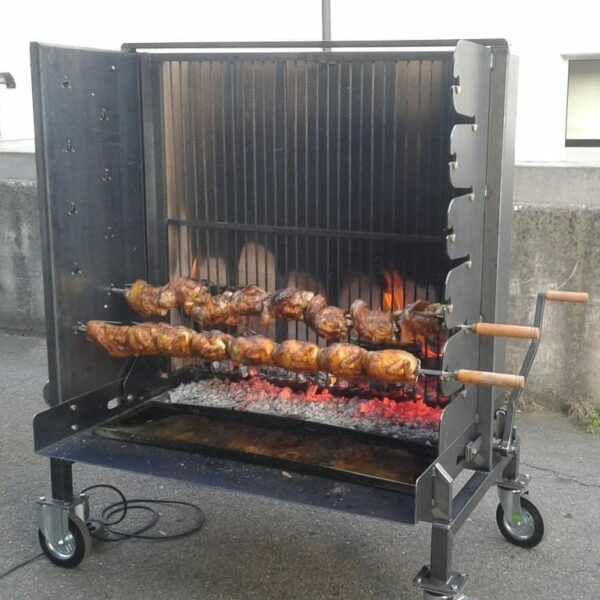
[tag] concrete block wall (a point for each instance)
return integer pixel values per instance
(21, 285)
(555, 239)
(554, 246)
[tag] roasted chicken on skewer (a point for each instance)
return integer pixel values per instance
(341, 360)
(328, 321)
(149, 301)
(421, 318)
(288, 303)
(374, 326)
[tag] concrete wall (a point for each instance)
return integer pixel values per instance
(21, 287)
(556, 239)
(554, 246)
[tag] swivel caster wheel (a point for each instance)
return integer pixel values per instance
(46, 394)
(525, 530)
(73, 549)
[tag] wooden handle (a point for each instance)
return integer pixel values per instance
(486, 378)
(511, 331)
(559, 296)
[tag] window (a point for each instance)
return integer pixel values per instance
(583, 103)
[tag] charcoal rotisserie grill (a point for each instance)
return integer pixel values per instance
(274, 163)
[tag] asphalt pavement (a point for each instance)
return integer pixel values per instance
(259, 548)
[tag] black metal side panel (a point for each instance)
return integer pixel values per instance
(90, 180)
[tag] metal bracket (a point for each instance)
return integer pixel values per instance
(440, 590)
(53, 517)
(472, 449)
(442, 493)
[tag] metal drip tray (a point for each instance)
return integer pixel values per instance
(291, 445)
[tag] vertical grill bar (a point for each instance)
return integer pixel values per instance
(371, 179)
(365, 153)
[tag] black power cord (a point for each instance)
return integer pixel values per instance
(103, 528)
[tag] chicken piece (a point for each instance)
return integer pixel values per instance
(288, 303)
(113, 338)
(172, 340)
(328, 321)
(148, 301)
(343, 360)
(212, 345)
(392, 366)
(248, 301)
(253, 350)
(373, 325)
(297, 356)
(187, 290)
(213, 312)
(420, 319)
(142, 339)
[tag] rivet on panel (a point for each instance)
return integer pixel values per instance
(72, 208)
(471, 197)
(68, 146)
(109, 235)
(469, 264)
(107, 176)
(76, 270)
(474, 127)
(66, 83)
(104, 115)
(113, 68)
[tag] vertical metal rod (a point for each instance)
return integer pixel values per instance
(326, 23)
(192, 106)
(244, 172)
(254, 169)
(61, 479)
(371, 178)
(405, 134)
(360, 160)
(328, 167)
(338, 179)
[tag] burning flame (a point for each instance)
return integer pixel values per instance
(195, 271)
(393, 297)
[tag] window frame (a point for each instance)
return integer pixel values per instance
(577, 142)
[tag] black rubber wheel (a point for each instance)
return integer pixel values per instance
(46, 394)
(529, 531)
(74, 550)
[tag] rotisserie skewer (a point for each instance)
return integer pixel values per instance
(422, 318)
(342, 360)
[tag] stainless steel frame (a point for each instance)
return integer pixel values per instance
(101, 178)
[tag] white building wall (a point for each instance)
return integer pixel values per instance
(539, 32)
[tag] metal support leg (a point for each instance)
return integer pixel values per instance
(54, 512)
(61, 479)
(438, 580)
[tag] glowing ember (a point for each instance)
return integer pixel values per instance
(416, 413)
(393, 297)
(413, 411)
